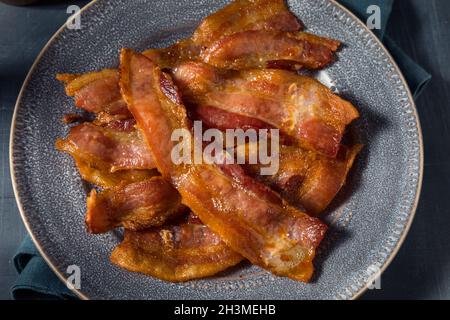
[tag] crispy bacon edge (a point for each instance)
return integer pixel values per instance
(178, 252)
(135, 206)
(96, 92)
(308, 180)
(262, 49)
(243, 15)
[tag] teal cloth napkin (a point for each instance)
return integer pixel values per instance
(414, 74)
(37, 281)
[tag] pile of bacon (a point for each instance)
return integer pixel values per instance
(238, 70)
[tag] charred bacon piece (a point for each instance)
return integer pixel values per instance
(135, 206)
(269, 233)
(178, 252)
(262, 49)
(299, 106)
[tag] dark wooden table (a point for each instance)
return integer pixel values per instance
(421, 269)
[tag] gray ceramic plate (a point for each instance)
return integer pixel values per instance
(369, 220)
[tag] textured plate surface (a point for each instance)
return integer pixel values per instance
(369, 220)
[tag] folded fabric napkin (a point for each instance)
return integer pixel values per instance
(37, 281)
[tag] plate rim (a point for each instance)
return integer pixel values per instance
(360, 23)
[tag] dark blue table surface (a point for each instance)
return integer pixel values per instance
(421, 269)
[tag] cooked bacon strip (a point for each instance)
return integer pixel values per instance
(240, 15)
(135, 206)
(259, 48)
(102, 155)
(179, 252)
(216, 118)
(106, 148)
(181, 51)
(305, 178)
(269, 233)
(107, 179)
(66, 78)
(299, 106)
(212, 117)
(111, 122)
(96, 92)
(243, 15)
(195, 79)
